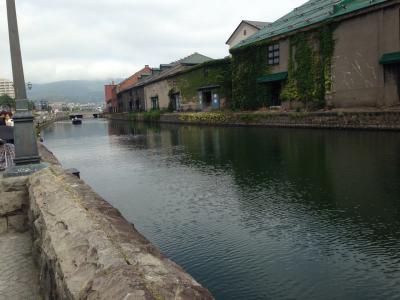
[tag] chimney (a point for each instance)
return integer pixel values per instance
(146, 66)
(112, 83)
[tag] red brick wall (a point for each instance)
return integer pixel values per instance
(109, 91)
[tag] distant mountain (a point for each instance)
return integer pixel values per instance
(78, 91)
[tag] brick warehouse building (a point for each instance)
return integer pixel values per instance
(119, 97)
(325, 52)
(110, 92)
(125, 96)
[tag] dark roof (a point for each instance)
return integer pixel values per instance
(175, 68)
(162, 75)
(129, 82)
(312, 12)
(193, 59)
(257, 24)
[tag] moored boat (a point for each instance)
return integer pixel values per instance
(77, 121)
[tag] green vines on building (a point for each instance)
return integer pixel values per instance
(215, 72)
(310, 64)
(309, 70)
(248, 64)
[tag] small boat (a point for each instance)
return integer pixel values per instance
(77, 121)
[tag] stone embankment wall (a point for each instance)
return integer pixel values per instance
(46, 120)
(369, 120)
(14, 202)
(84, 247)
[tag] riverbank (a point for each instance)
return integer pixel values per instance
(84, 247)
(351, 120)
(43, 121)
(241, 206)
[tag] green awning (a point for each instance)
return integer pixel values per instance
(390, 58)
(273, 77)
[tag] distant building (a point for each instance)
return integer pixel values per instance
(87, 106)
(245, 30)
(125, 97)
(7, 88)
(157, 88)
(119, 97)
(193, 83)
(111, 97)
(42, 105)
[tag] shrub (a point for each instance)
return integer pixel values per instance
(152, 116)
(249, 118)
(207, 117)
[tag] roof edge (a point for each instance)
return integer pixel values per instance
(243, 21)
(332, 19)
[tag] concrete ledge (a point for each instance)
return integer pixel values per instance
(87, 250)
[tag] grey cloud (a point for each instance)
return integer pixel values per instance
(87, 39)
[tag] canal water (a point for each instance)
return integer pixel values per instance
(253, 213)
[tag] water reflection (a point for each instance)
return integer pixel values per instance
(254, 213)
(343, 169)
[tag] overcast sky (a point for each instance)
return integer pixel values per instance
(99, 39)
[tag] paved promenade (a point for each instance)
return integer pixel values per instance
(19, 278)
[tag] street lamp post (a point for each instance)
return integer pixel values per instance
(27, 159)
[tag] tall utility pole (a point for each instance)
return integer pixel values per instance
(26, 151)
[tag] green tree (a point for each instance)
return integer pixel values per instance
(7, 101)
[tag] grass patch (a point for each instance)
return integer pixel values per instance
(152, 116)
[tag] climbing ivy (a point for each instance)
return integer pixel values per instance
(327, 49)
(290, 91)
(309, 70)
(248, 64)
(310, 64)
(304, 59)
(215, 72)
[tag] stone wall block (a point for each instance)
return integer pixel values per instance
(87, 250)
(17, 223)
(14, 184)
(12, 202)
(3, 225)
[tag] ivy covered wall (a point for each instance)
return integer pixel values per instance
(215, 72)
(310, 67)
(309, 70)
(248, 64)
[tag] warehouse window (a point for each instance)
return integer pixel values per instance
(273, 54)
(155, 103)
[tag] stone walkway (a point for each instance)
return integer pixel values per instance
(19, 277)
